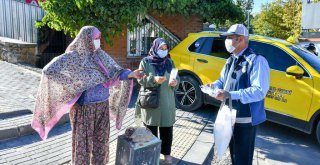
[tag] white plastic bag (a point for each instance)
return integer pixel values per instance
(226, 118)
(223, 129)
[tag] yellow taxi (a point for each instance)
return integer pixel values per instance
(294, 95)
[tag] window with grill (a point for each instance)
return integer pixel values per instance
(139, 41)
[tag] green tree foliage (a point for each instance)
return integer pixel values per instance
(112, 16)
(281, 19)
(246, 6)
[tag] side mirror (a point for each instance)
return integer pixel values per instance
(295, 71)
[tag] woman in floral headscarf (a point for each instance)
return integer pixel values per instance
(86, 81)
(157, 68)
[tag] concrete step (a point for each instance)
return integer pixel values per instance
(20, 126)
(16, 113)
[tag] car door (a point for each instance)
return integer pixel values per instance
(287, 95)
(209, 58)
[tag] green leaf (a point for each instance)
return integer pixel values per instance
(110, 16)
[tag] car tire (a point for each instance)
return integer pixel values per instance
(188, 96)
(318, 132)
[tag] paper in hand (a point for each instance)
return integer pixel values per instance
(208, 90)
(173, 74)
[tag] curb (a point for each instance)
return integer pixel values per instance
(11, 114)
(201, 148)
(12, 130)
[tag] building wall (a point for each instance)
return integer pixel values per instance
(17, 20)
(118, 50)
(15, 51)
(178, 25)
(310, 15)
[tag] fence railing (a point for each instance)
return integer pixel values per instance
(140, 40)
(17, 20)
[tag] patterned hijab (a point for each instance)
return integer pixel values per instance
(161, 65)
(68, 75)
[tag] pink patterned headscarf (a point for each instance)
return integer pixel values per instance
(68, 75)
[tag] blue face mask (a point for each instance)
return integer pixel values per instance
(162, 53)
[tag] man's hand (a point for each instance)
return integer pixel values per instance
(159, 79)
(173, 83)
(210, 85)
(222, 95)
(136, 74)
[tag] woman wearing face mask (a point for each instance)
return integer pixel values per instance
(89, 83)
(157, 67)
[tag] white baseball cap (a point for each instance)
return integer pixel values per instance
(236, 29)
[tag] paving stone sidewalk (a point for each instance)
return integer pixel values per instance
(57, 148)
(18, 86)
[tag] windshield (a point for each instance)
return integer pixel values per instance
(310, 58)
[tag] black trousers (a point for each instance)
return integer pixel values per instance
(242, 145)
(166, 134)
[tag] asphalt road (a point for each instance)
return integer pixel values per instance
(278, 145)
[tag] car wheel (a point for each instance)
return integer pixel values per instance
(318, 132)
(189, 96)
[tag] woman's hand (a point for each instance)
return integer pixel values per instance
(173, 83)
(136, 74)
(159, 79)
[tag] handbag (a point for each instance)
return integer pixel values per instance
(149, 97)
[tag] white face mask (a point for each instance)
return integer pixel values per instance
(228, 44)
(162, 53)
(96, 43)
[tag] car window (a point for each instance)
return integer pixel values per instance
(198, 45)
(218, 48)
(310, 58)
(212, 46)
(277, 58)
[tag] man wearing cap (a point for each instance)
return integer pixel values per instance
(249, 83)
(312, 49)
